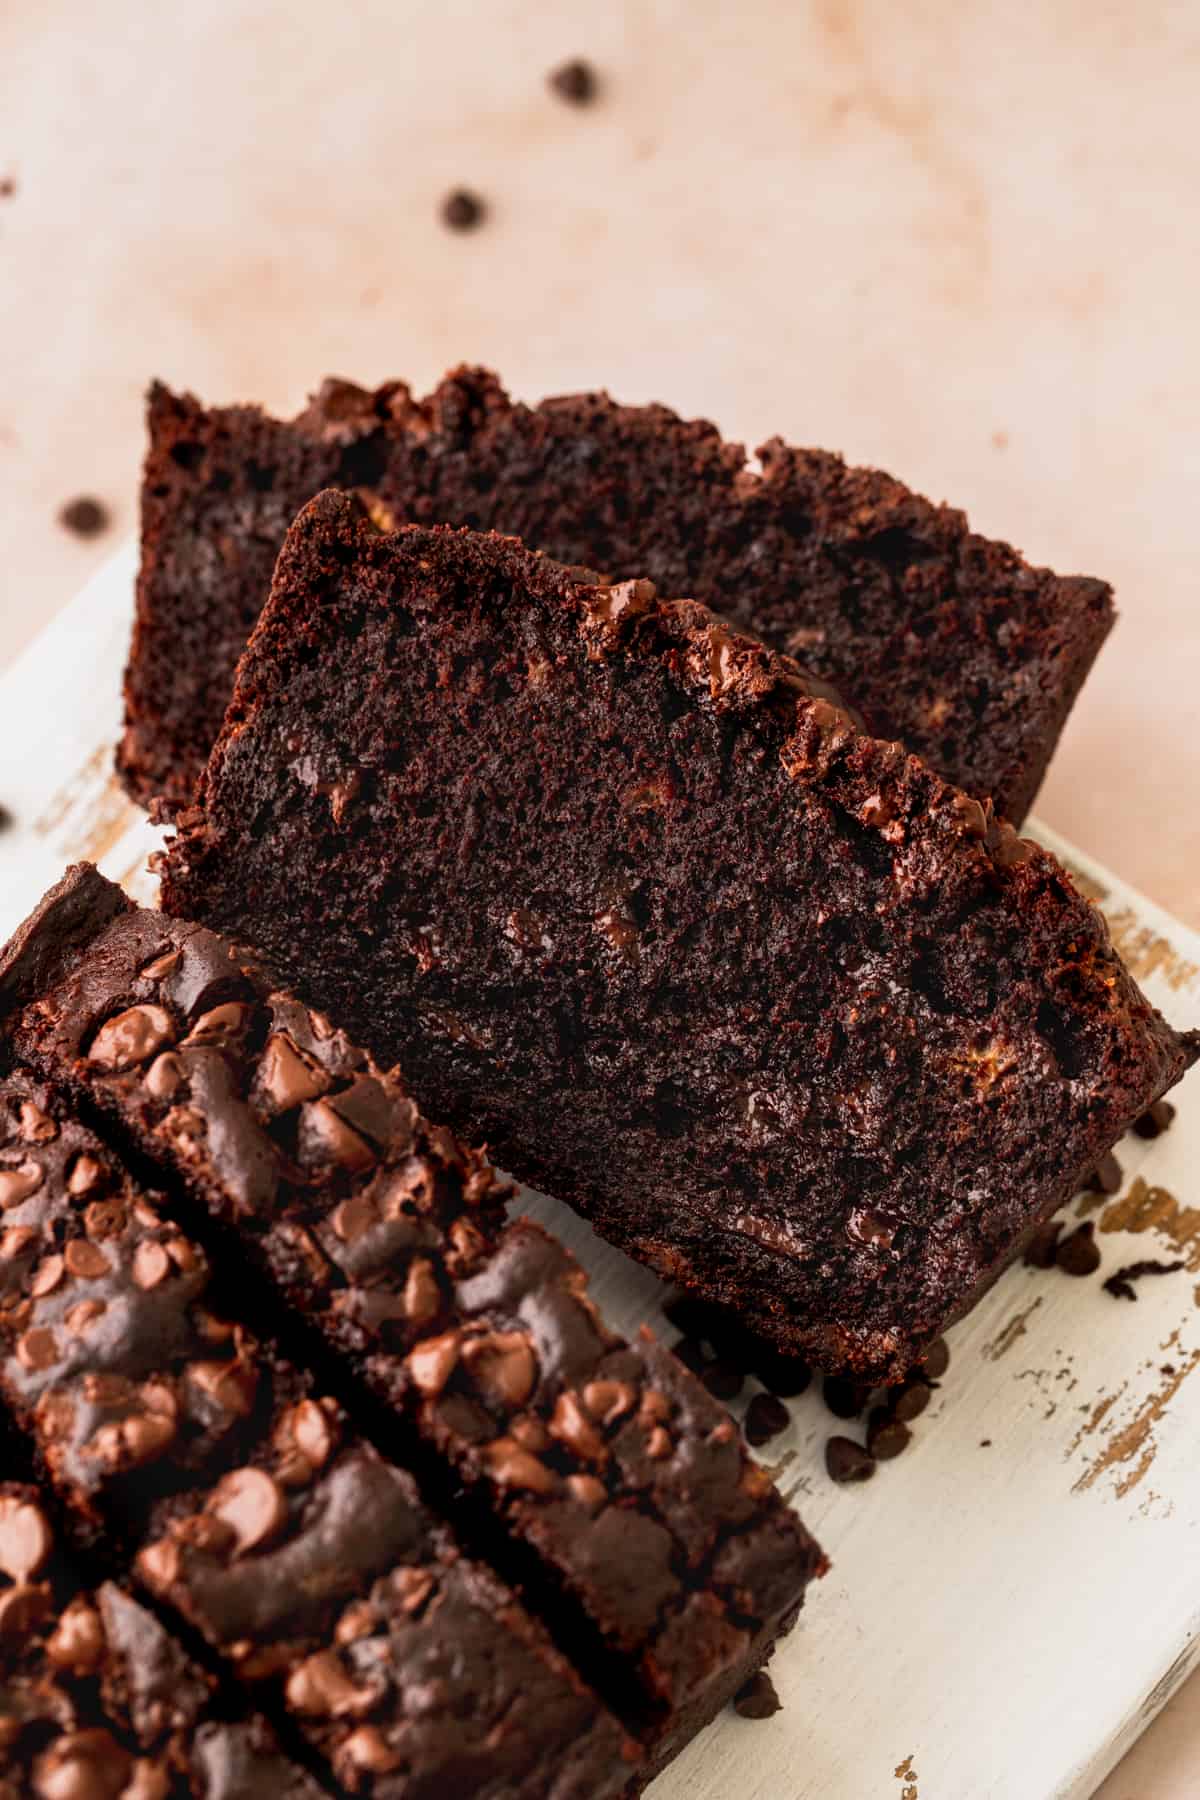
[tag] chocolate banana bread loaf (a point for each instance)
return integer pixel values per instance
(940, 637)
(785, 1015)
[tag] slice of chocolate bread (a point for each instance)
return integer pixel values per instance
(610, 1472)
(790, 1019)
(941, 637)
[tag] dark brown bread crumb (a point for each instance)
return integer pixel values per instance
(85, 516)
(1079, 1253)
(943, 639)
(758, 1699)
(847, 1461)
(573, 81)
(462, 210)
(907, 1034)
(1120, 1283)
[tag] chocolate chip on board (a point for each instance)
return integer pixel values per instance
(1079, 1253)
(909, 1402)
(846, 1399)
(766, 1417)
(573, 81)
(847, 1461)
(463, 210)
(84, 516)
(936, 1360)
(1106, 1177)
(1155, 1120)
(758, 1699)
(887, 1436)
(1042, 1247)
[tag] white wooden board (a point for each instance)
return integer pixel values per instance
(1013, 1600)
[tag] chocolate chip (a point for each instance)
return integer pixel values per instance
(844, 1397)
(1106, 1177)
(46, 1276)
(847, 1461)
(77, 1641)
(36, 1127)
(132, 1037)
(84, 516)
(587, 1492)
(320, 1686)
(313, 1431)
(285, 1079)
(367, 1749)
(1155, 1120)
(462, 210)
(151, 1264)
(6, 819)
(164, 964)
(16, 1185)
(37, 1349)
(510, 1466)
(221, 1025)
(573, 81)
(231, 1386)
(530, 1433)
(785, 1376)
(909, 1402)
(723, 1381)
(25, 1538)
(412, 1588)
(936, 1359)
(887, 1435)
(695, 1318)
(757, 1699)
(502, 1366)
(609, 1401)
(87, 1262)
(432, 1363)
(1079, 1254)
(87, 1172)
(572, 1426)
(252, 1504)
(1042, 1247)
(766, 1417)
(658, 1444)
(325, 1137)
(422, 1296)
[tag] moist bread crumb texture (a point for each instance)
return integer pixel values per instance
(785, 1015)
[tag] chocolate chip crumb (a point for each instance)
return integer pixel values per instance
(1079, 1253)
(846, 1399)
(1106, 1177)
(1042, 1247)
(1120, 1283)
(8, 187)
(766, 1417)
(6, 818)
(1155, 1119)
(462, 210)
(758, 1699)
(887, 1435)
(847, 1461)
(573, 81)
(722, 1381)
(936, 1359)
(910, 1401)
(985, 1443)
(84, 516)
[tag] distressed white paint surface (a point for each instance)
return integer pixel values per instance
(1001, 1621)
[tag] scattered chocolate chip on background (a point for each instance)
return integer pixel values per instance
(6, 818)
(85, 516)
(766, 1417)
(936, 1360)
(1079, 1253)
(574, 82)
(758, 1699)
(1042, 1247)
(8, 187)
(462, 210)
(847, 1461)
(1106, 1177)
(887, 1436)
(1155, 1120)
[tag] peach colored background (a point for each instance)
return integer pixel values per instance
(958, 238)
